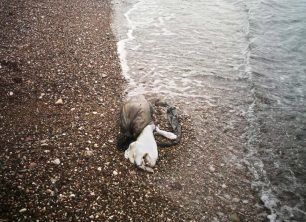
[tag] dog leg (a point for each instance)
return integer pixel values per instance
(166, 134)
(130, 153)
(146, 168)
(140, 163)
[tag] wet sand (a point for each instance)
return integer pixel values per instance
(60, 91)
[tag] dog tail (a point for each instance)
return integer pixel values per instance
(176, 127)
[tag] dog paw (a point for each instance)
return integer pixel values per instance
(150, 170)
(146, 168)
(172, 136)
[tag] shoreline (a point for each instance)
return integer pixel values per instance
(60, 161)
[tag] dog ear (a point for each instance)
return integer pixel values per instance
(123, 141)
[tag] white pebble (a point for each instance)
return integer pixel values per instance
(41, 95)
(56, 161)
(59, 102)
(211, 169)
(72, 195)
(115, 173)
(88, 153)
(236, 200)
(23, 210)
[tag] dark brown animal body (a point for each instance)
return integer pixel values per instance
(135, 115)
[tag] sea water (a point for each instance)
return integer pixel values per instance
(250, 54)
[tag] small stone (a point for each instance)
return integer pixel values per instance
(51, 192)
(220, 214)
(104, 75)
(234, 218)
(88, 153)
(176, 186)
(41, 95)
(72, 109)
(110, 141)
(236, 200)
(91, 216)
(223, 186)
(33, 165)
(96, 145)
(11, 93)
(59, 102)
(189, 164)
(227, 196)
(99, 168)
(44, 144)
(115, 173)
(211, 169)
(23, 210)
(72, 195)
(56, 161)
(94, 113)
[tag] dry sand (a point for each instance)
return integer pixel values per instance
(60, 92)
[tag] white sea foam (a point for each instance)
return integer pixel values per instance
(121, 44)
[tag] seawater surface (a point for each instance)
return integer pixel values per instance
(249, 55)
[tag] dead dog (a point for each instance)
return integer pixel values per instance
(137, 128)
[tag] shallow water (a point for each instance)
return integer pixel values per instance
(248, 55)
